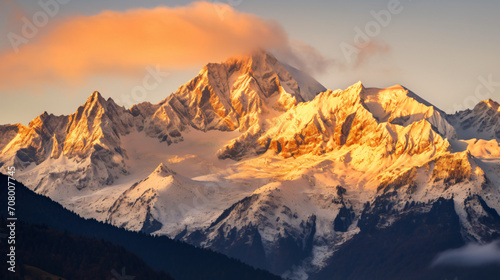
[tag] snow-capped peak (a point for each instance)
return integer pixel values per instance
(163, 170)
(401, 106)
(481, 122)
(490, 103)
(355, 117)
(97, 101)
(237, 94)
(358, 86)
(95, 96)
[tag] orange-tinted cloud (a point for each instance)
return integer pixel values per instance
(305, 57)
(17, 11)
(126, 42)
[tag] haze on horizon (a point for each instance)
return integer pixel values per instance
(443, 51)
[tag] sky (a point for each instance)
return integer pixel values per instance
(55, 53)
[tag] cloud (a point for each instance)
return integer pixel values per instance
(304, 57)
(470, 255)
(310, 60)
(124, 43)
(368, 51)
(16, 11)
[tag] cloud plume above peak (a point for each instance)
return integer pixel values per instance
(121, 43)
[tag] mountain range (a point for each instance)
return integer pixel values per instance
(255, 159)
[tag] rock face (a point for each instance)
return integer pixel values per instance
(340, 119)
(90, 138)
(260, 230)
(238, 94)
(256, 160)
(398, 105)
(431, 228)
(481, 122)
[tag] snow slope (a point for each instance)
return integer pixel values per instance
(481, 122)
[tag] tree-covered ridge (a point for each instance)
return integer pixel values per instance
(180, 260)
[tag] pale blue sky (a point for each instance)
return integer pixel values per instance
(438, 49)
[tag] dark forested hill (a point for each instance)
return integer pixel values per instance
(180, 260)
(43, 251)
